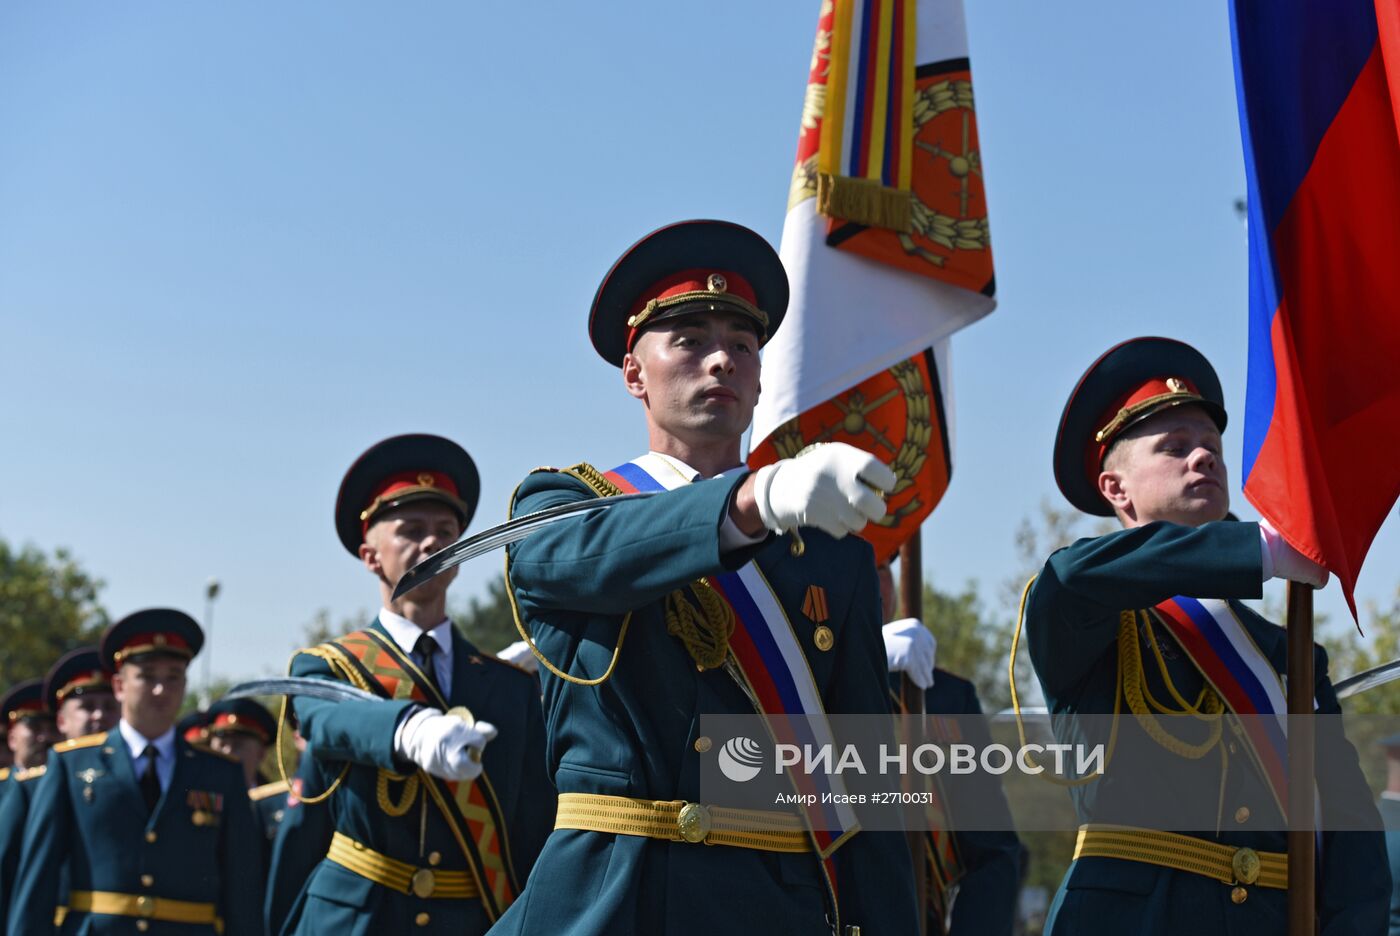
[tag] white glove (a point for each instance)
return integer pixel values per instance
(443, 745)
(1285, 562)
(910, 648)
(831, 488)
(519, 653)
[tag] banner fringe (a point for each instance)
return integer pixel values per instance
(865, 201)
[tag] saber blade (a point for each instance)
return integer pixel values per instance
(326, 689)
(502, 535)
(1368, 679)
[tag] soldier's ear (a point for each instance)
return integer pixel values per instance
(633, 375)
(369, 555)
(1114, 488)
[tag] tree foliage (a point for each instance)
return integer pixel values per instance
(48, 606)
(974, 641)
(486, 620)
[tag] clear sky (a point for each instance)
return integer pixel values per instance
(239, 243)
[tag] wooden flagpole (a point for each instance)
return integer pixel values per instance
(1302, 898)
(911, 600)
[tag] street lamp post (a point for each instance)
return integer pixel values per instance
(211, 592)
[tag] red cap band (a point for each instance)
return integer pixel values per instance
(1149, 397)
(158, 642)
(406, 482)
(717, 283)
(90, 680)
(229, 721)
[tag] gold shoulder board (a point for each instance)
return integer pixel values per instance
(594, 478)
(77, 744)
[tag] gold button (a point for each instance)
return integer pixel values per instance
(147, 880)
(1242, 814)
(151, 835)
(422, 919)
(423, 883)
(146, 905)
(1239, 895)
(703, 744)
(143, 925)
(823, 638)
(1246, 865)
(435, 859)
(693, 823)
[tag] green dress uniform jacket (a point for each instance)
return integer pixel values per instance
(199, 846)
(1390, 812)
(269, 801)
(576, 584)
(990, 858)
(1072, 621)
(14, 810)
(303, 835)
(358, 738)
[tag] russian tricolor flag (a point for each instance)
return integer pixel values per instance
(1322, 154)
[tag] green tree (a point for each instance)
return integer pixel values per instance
(48, 606)
(487, 620)
(321, 628)
(971, 643)
(1036, 538)
(1370, 715)
(1350, 652)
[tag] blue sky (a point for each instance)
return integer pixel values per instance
(241, 243)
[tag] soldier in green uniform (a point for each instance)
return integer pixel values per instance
(156, 836)
(1147, 613)
(194, 728)
(32, 732)
(244, 730)
(973, 868)
(31, 729)
(435, 830)
(303, 837)
(79, 692)
(625, 611)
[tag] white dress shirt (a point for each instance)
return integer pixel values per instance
(136, 743)
(406, 634)
(730, 536)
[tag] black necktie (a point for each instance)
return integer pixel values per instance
(426, 650)
(150, 780)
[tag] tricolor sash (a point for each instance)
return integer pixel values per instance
(372, 661)
(1217, 642)
(771, 666)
